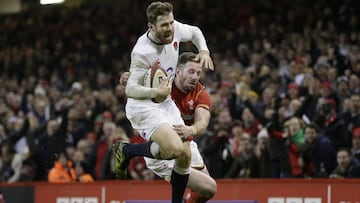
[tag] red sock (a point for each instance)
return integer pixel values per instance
(196, 198)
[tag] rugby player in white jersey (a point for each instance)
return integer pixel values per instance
(194, 104)
(159, 46)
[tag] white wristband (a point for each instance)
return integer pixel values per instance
(194, 130)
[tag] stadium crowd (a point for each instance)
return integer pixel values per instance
(285, 90)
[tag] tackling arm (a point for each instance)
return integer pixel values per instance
(201, 120)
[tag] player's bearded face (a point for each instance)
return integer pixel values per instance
(190, 76)
(164, 29)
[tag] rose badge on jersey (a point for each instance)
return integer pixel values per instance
(175, 45)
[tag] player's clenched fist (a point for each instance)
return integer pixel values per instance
(124, 78)
(162, 91)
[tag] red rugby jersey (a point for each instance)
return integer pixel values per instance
(187, 103)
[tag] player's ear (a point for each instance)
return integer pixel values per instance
(150, 26)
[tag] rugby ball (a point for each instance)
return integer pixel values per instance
(153, 77)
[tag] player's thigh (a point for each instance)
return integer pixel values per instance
(202, 183)
(168, 139)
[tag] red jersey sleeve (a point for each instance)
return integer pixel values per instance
(203, 99)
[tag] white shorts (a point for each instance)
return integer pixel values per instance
(146, 116)
(163, 168)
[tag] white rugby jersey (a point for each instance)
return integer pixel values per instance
(146, 53)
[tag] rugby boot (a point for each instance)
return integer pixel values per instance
(121, 162)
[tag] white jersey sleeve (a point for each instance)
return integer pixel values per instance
(135, 86)
(193, 34)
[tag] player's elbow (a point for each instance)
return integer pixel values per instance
(130, 91)
(127, 90)
(196, 28)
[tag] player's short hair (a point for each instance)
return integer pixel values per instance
(186, 57)
(156, 9)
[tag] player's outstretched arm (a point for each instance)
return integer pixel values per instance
(201, 120)
(195, 35)
(202, 117)
(205, 59)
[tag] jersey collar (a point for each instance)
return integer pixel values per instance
(148, 36)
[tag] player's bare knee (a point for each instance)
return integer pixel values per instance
(172, 152)
(178, 151)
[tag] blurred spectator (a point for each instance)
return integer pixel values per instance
(351, 118)
(98, 123)
(107, 116)
(222, 120)
(293, 90)
(332, 126)
(354, 83)
(70, 152)
(326, 93)
(216, 156)
(355, 150)
(84, 146)
(318, 153)
(267, 96)
(342, 90)
(348, 167)
(241, 166)
(321, 70)
(82, 172)
(17, 135)
(63, 170)
(252, 126)
(3, 135)
(28, 171)
(10, 164)
(91, 138)
(224, 93)
(237, 134)
(47, 140)
(262, 163)
(78, 156)
(107, 165)
(235, 104)
(294, 135)
(98, 154)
